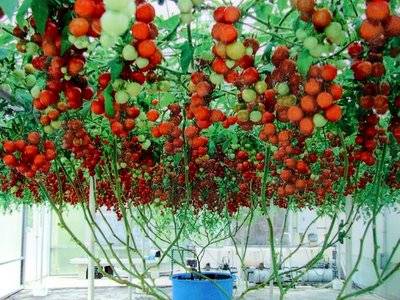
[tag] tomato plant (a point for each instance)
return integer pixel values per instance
(209, 111)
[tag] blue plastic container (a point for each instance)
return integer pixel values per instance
(184, 288)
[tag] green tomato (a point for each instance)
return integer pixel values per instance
(118, 5)
(249, 95)
(243, 115)
(146, 145)
(283, 89)
(114, 23)
(140, 124)
(142, 62)
(216, 79)
(185, 6)
(230, 63)
(142, 116)
(48, 129)
(107, 41)
(129, 53)
(164, 86)
(35, 91)
(30, 80)
(319, 120)
(31, 48)
(81, 42)
(310, 42)
(249, 51)
(231, 156)
(301, 34)
(339, 38)
(117, 84)
(129, 9)
(133, 89)
(19, 74)
(236, 50)
(186, 18)
(317, 51)
(287, 100)
(121, 97)
(261, 87)
(141, 138)
(29, 69)
(333, 29)
(56, 124)
(255, 116)
(72, 39)
(197, 2)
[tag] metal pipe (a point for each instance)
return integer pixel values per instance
(92, 209)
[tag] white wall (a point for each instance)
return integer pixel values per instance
(388, 233)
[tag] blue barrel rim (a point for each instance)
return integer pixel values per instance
(230, 278)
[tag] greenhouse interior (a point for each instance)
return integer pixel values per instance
(200, 149)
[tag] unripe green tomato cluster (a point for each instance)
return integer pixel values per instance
(335, 34)
(116, 20)
(125, 90)
(186, 8)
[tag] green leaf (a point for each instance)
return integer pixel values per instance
(108, 104)
(115, 68)
(268, 50)
(6, 38)
(168, 24)
(9, 7)
(212, 148)
(4, 53)
(186, 56)
(65, 43)
(22, 11)
(167, 99)
(263, 11)
(40, 11)
(282, 4)
(304, 62)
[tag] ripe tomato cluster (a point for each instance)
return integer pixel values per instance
(77, 140)
(368, 69)
(198, 110)
(122, 121)
(395, 122)
(169, 129)
(232, 54)
(321, 94)
(293, 174)
(380, 24)
(30, 156)
(61, 189)
(134, 156)
(314, 109)
(143, 52)
(369, 137)
(66, 87)
(87, 19)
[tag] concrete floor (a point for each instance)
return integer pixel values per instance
(121, 293)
